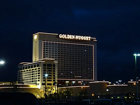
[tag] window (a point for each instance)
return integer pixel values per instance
(43, 83)
(49, 77)
(49, 65)
(44, 64)
(49, 68)
(49, 84)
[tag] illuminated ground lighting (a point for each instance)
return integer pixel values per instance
(125, 97)
(134, 83)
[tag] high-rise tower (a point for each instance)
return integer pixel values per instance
(76, 55)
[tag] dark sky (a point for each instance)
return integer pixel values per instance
(115, 24)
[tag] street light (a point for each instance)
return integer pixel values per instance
(135, 55)
(2, 62)
(46, 75)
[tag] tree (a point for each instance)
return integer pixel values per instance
(14, 86)
(82, 94)
(68, 93)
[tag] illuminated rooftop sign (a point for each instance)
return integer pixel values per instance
(75, 37)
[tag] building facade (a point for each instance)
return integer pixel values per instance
(114, 90)
(42, 73)
(76, 55)
(95, 89)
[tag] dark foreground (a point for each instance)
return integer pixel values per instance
(77, 103)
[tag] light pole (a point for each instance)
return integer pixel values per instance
(56, 95)
(46, 75)
(55, 83)
(135, 55)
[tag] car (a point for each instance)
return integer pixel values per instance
(16, 98)
(87, 101)
(117, 101)
(103, 102)
(136, 103)
(137, 100)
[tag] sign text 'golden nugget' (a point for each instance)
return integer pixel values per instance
(76, 37)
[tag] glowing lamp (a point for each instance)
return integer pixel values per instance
(35, 37)
(136, 54)
(2, 62)
(46, 75)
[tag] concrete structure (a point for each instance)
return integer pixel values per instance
(15, 87)
(76, 55)
(96, 89)
(102, 88)
(34, 73)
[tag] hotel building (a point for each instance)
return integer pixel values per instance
(76, 55)
(34, 73)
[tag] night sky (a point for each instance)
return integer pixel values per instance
(115, 24)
